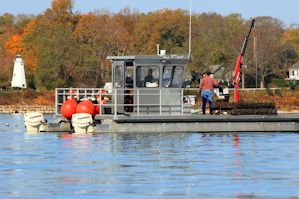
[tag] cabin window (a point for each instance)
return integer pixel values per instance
(129, 74)
(167, 76)
(177, 77)
(147, 76)
(118, 76)
(172, 76)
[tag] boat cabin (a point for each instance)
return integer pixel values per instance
(148, 83)
(141, 85)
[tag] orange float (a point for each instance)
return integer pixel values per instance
(68, 108)
(86, 106)
(97, 110)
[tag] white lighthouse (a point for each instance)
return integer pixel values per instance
(18, 77)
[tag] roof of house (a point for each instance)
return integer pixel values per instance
(218, 71)
(295, 66)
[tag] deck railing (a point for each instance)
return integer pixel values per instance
(143, 100)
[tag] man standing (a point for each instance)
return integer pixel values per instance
(206, 86)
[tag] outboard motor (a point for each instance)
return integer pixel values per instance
(34, 122)
(83, 123)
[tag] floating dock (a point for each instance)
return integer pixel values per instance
(188, 124)
(202, 123)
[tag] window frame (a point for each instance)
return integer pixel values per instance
(140, 81)
(173, 73)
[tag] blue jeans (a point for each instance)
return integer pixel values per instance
(207, 95)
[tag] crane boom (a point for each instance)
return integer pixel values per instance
(239, 63)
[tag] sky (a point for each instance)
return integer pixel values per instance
(285, 10)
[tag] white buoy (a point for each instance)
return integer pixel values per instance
(18, 77)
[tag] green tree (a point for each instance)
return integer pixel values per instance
(169, 28)
(57, 52)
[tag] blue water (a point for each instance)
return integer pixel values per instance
(157, 165)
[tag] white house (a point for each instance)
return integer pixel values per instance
(294, 72)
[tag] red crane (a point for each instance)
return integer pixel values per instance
(239, 63)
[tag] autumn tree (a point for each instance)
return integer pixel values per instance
(62, 48)
(103, 34)
(216, 40)
(269, 45)
(169, 28)
(14, 44)
(291, 37)
(6, 31)
(50, 38)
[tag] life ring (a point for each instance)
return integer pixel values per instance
(102, 95)
(72, 93)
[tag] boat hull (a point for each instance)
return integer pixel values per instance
(200, 123)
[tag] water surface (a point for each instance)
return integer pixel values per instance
(193, 165)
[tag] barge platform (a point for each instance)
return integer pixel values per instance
(201, 123)
(187, 124)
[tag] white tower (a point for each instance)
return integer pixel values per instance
(18, 77)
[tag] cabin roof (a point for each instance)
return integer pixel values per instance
(150, 57)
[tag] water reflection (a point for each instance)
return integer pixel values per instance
(157, 165)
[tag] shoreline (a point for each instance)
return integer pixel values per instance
(26, 108)
(50, 109)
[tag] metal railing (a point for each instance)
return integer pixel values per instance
(158, 101)
(139, 101)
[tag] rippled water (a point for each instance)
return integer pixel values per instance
(146, 165)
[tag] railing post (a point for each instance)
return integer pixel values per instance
(100, 91)
(137, 101)
(160, 102)
(115, 102)
(182, 101)
(56, 101)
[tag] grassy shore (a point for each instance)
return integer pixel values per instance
(285, 99)
(27, 97)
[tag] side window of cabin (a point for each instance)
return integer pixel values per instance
(147, 76)
(118, 77)
(177, 77)
(172, 76)
(167, 76)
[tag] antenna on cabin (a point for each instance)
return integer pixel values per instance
(158, 49)
(190, 27)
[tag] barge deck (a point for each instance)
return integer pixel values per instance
(188, 124)
(201, 123)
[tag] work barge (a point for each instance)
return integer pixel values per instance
(148, 95)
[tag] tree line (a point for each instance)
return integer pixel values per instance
(62, 48)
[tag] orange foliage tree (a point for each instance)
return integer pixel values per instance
(291, 37)
(14, 44)
(62, 48)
